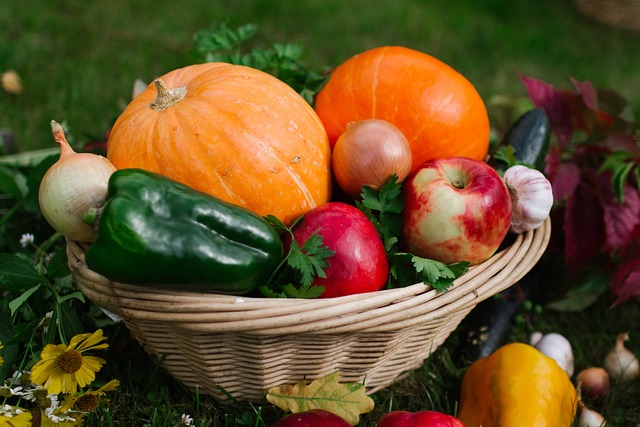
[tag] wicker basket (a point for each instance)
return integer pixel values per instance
(618, 13)
(245, 346)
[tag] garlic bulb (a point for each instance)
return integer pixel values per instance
(73, 185)
(620, 363)
(531, 197)
(556, 347)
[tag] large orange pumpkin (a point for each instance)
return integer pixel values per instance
(437, 108)
(234, 132)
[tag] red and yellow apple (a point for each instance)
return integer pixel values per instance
(456, 209)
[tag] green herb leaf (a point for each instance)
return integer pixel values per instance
(507, 155)
(430, 272)
(384, 208)
(620, 164)
(311, 259)
(277, 224)
(282, 60)
(295, 276)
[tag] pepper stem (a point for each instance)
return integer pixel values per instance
(167, 97)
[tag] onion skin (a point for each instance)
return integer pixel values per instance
(76, 183)
(368, 153)
(594, 382)
(621, 364)
(590, 418)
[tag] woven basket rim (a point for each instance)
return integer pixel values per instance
(207, 312)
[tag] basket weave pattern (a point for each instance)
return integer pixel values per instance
(244, 346)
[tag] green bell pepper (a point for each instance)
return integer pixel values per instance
(155, 231)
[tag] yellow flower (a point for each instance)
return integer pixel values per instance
(89, 400)
(12, 416)
(63, 367)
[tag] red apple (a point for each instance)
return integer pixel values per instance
(418, 419)
(456, 209)
(359, 263)
(312, 418)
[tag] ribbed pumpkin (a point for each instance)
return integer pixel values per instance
(231, 131)
(439, 111)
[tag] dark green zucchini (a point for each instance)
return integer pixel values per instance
(529, 137)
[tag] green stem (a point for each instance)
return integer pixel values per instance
(10, 213)
(41, 251)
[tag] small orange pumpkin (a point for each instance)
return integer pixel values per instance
(439, 111)
(231, 131)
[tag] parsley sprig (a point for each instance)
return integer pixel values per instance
(219, 43)
(384, 207)
(296, 273)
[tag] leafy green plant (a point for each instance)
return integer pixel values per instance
(219, 43)
(294, 277)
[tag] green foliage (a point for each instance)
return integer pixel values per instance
(219, 43)
(294, 277)
(40, 281)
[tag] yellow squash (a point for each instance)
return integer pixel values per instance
(517, 386)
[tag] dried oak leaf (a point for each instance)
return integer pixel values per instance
(347, 400)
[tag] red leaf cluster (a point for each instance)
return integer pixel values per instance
(594, 167)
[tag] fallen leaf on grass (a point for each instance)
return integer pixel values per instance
(346, 400)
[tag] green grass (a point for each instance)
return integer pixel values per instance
(78, 61)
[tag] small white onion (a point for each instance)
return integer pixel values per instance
(76, 183)
(620, 362)
(531, 197)
(590, 418)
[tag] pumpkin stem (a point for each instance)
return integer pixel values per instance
(166, 97)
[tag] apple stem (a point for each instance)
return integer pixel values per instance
(459, 184)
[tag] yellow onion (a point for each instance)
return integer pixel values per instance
(74, 185)
(368, 153)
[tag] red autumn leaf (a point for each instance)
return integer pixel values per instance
(588, 92)
(583, 227)
(620, 219)
(586, 110)
(552, 162)
(621, 143)
(552, 101)
(565, 180)
(625, 283)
